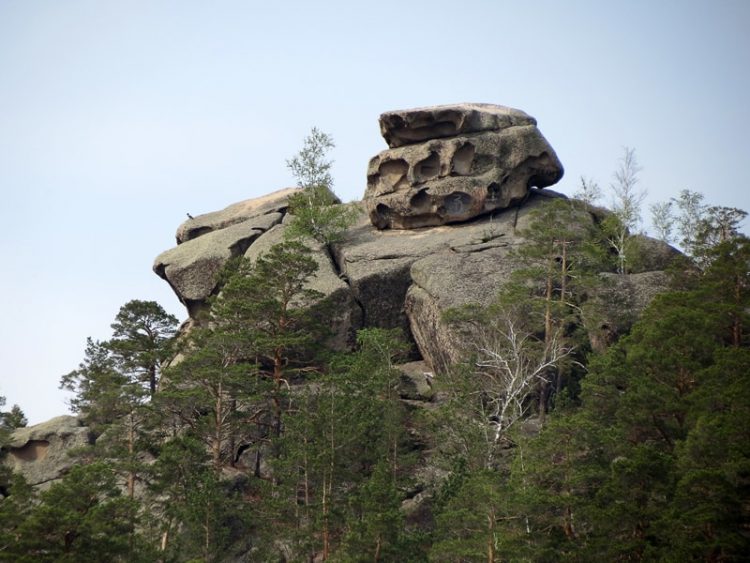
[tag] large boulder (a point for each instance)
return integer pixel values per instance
(616, 303)
(378, 265)
(449, 164)
(41, 453)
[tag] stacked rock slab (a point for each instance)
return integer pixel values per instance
(448, 164)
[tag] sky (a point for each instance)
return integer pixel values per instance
(119, 117)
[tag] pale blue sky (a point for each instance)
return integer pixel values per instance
(117, 118)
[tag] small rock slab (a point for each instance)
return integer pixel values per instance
(405, 127)
(275, 202)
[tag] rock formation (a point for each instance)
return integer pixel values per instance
(462, 174)
(458, 172)
(449, 164)
(408, 278)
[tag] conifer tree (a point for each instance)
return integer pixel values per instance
(84, 517)
(141, 338)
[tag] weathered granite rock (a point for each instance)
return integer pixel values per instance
(445, 281)
(408, 278)
(240, 212)
(652, 254)
(191, 268)
(344, 313)
(378, 263)
(404, 127)
(489, 163)
(207, 241)
(41, 452)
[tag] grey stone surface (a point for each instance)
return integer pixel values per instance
(617, 303)
(450, 280)
(404, 127)
(378, 263)
(408, 278)
(485, 160)
(415, 382)
(41, 453)
(652, 254)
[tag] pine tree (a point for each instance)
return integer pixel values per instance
(141, 338)
(116, 380)
(197, 514)
(82, 518)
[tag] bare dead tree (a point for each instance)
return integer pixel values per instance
(512, 361)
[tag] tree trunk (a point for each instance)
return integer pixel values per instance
(218, 438)
(491, 537)
(326, 532)
(543, 383)
(131, 455)
(278, 365)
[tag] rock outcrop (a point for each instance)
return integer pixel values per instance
(408, 279)
(41, 453)
(449, 164)
(205, 243)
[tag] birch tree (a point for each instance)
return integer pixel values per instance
(317, 212)
(627, 199)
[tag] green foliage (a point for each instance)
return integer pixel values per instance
(317, 213)
(79, 519)
(467, 526)
(310, 166)
(119, 375)
(342, 458)
(141, 339)
(654, 464)
(199, 515)
(10, 420)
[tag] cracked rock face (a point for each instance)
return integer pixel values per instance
(449, 164)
